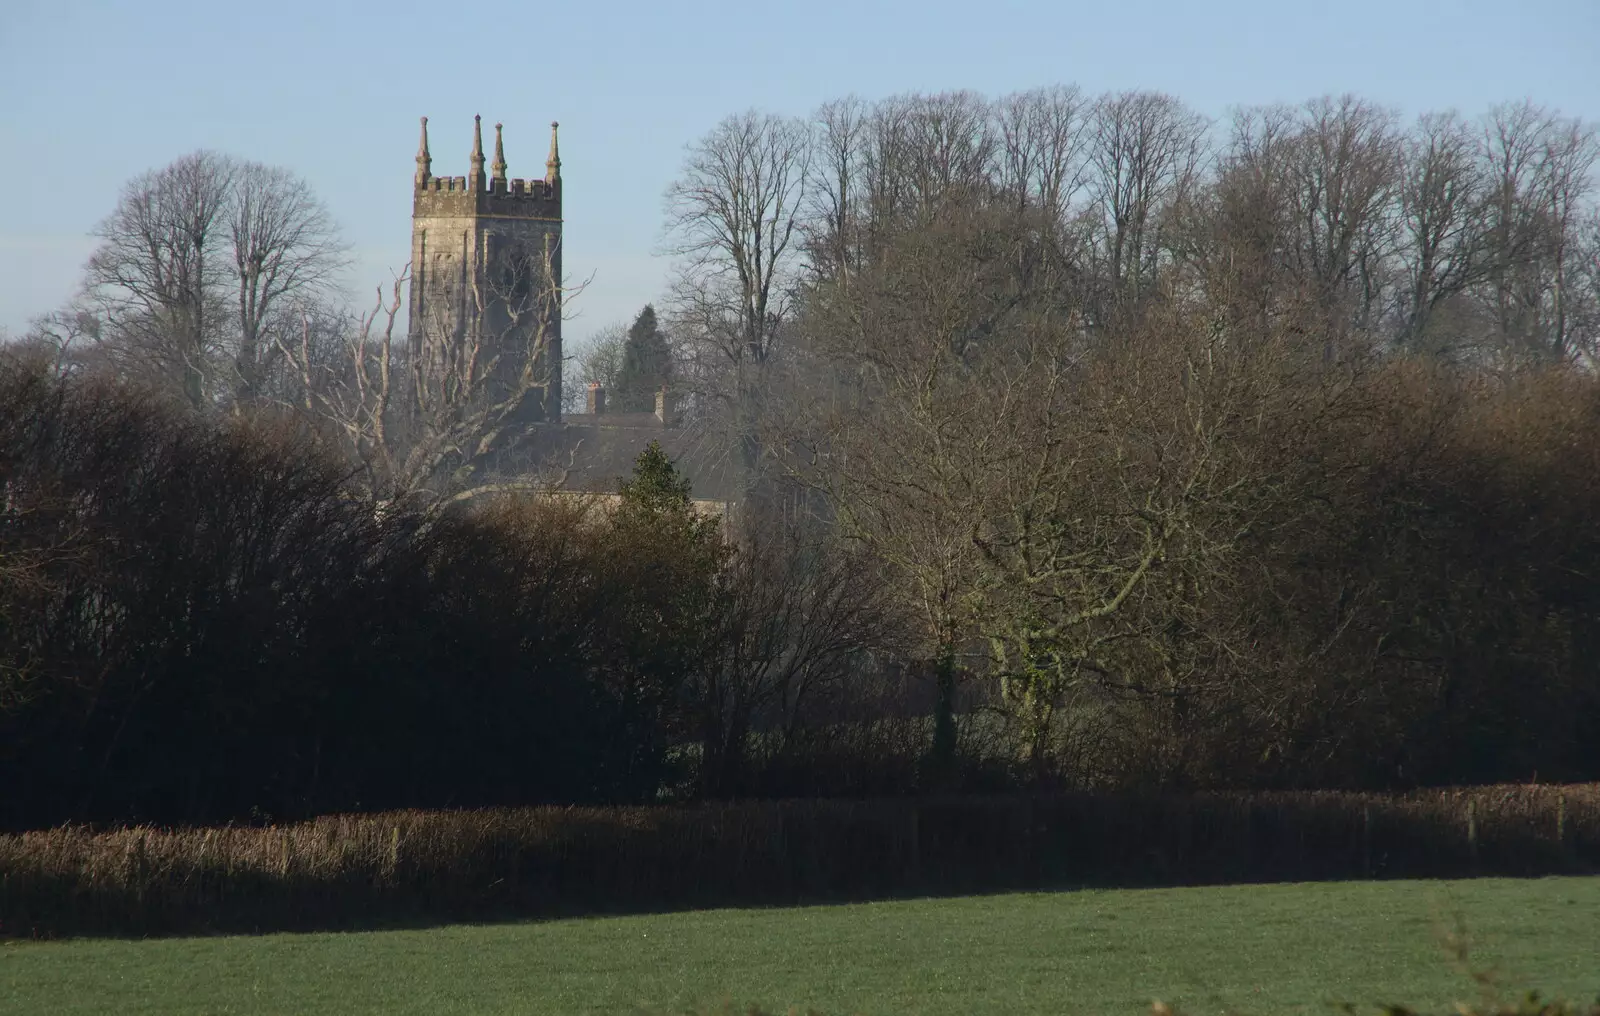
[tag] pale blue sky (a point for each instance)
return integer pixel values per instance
(92, 93)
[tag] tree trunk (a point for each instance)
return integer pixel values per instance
(942, 762)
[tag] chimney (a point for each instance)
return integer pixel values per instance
(664, 407)
(597, 398)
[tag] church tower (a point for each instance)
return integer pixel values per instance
(486, 276)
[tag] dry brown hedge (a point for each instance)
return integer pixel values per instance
(419, 867)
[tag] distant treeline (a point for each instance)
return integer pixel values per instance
(199, 622)
(1244, 453)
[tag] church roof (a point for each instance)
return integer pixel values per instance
(596, 453)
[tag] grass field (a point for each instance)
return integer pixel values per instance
(1249, 949)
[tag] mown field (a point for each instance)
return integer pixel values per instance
(1248, 949)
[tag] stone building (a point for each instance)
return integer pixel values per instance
(486, 270)
(485, 284)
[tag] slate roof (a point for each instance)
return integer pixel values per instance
(597, 452)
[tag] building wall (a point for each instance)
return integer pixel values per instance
(474, 242)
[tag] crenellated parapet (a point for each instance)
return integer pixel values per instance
(479, 194)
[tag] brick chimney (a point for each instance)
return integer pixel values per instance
(664, 407)
(597, 398)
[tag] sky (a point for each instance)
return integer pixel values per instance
(95, 92)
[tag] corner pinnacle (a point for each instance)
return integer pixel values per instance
(424, 158)
(499, 166)
(552, 166)
(476, 179)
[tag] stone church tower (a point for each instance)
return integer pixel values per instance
(485, 275)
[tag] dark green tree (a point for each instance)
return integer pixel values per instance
(657, 524)
(663, 564)
(646, 365)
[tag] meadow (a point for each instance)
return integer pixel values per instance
(1262, 949)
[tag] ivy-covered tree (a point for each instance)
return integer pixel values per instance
(646, 365)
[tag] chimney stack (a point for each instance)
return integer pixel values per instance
(597, 398)
(664, 407)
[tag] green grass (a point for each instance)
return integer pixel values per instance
(1253, 949)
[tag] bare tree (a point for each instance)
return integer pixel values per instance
(1345, 171)
(1041, 157)
(928, 154)
(1234, 236)
(886, 153)
(1299, 211)
(1040, 170)
(67, 338)
(1443, 228)
(598, 361)
(1145, 154)
(950, 149)
(285, 251)
(734, 223)
(793, 611)
(1539, 169)
(183, 244)
(894, 164)
(1512, 149)
(439, 415)
(157, 270)
(733, 219)
(896, 409)
(835, 192)
(1570, 153)
(1586, 293)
